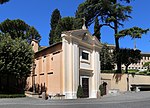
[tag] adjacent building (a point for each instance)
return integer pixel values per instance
(139, 66)
(135, 66)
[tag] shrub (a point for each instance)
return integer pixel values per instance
(108, 71)
(101, 88)
(12, 95)
(80, 92)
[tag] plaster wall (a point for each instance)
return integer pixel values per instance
(119, 81)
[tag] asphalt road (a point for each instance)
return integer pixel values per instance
(127, 100)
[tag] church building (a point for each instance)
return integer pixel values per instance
(62, 67)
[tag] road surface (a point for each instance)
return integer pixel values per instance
(127, 100)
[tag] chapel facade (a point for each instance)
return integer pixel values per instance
(62, 67)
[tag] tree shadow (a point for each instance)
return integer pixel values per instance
(37, 88)
(117, 77)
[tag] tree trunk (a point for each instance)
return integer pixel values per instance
(117, 48)
(117, 42)
(127, 81)
(126, 70)
(127, 77)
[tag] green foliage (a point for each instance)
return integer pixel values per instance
(133, 70)
(58, 25)
(15, 28)
(143, 73)
(3, 1)
(106, 58)
(108, 71)
(19, 29)
(78, 23)
(147, 64)
(110, 13)
(96, 29)
(102, 90)
(32, 33)
(12, 95)
(128, 56)
(67, 23)
(134, 32)
(55, 17)
(64, 24)
(108, 10)
(57, 33)
(15, 57)
(80, 92)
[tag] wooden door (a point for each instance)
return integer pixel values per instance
(85, 86)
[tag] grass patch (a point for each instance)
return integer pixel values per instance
(12, 95)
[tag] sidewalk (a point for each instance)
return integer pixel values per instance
(130, 96)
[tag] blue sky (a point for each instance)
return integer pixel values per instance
(37, 13)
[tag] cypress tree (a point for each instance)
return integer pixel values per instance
(55, 17)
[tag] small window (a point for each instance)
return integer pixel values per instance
(85, 56)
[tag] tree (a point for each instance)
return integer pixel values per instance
(96, 29)
(65, 24)
(32, 33)
(57, 33)
(106, 58)
(102, 90)
(111, 13)
(78, 23)
(16, 57)
(55, 17)
(129, 56)
(147, 64)
(80, 93)
(134, 32)
(18, 28)
(3, 1)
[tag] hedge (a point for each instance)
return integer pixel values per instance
(12, 95)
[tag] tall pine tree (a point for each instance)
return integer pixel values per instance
(55, 17)
(96, 29)
(112, 13)
(3, 1)
(19, 29)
